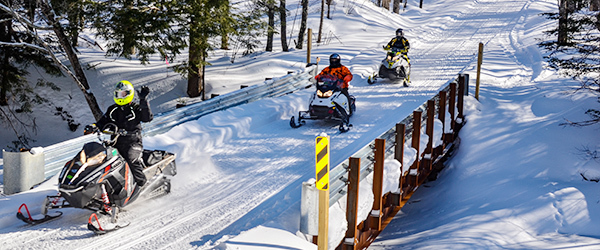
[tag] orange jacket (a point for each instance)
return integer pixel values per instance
(340, 72)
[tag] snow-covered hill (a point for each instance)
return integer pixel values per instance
(240, 170)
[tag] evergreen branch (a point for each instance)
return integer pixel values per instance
(22, 19)
(28, 45)
(12, 125)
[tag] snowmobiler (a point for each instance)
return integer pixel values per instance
(328, 102)
(99, 179)
(395, 66)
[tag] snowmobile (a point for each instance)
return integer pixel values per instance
(99, 179)
(395, 66)
(328, 102)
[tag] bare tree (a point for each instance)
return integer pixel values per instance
(396, 7)
(270, 24)
(321, 21)
(302, 24)
(283, 17)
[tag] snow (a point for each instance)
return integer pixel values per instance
(515, 182)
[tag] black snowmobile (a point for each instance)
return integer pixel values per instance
(328, 102)
(99, 179)
(395, 66)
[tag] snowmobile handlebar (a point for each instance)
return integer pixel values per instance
(112, 130)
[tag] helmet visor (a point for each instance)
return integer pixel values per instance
(121, 93)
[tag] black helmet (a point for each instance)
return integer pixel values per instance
(335, 60)
(400, 32)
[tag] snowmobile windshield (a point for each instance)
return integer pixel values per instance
(91, 156)
(395, 50)
(93, 153)
(328, 82)
(327, 86)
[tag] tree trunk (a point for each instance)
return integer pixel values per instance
(65, 43)
(595, 5)
(224, 35)
(75, 16)
(386, 4)
(563, 16)
(321, 22)
(283, 17)
(196, 58)
(302, 24)
(328, 9)
(5, 36)
(396, 7)
(271, 24)
(31, 5)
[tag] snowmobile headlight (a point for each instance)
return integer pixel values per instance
(324, 95)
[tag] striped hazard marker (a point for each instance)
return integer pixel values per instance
(322, 162)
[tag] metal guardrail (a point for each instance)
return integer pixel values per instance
(339, 174)
(270, 88)
(58, 154)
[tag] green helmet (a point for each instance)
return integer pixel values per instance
(123, 93)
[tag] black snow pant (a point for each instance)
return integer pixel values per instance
(345, 92)
(130, 147)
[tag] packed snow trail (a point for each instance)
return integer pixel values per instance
(241, 167)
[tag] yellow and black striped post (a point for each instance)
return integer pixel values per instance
(322, 173)
(322, 162)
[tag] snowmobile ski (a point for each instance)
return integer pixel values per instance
(99, 230)
(30, 220)
(295, 124)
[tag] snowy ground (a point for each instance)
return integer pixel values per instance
(515, 183)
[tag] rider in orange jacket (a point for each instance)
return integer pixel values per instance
(338, 70)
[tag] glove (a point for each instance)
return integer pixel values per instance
(91, 128)
(347, 79)
(144, 92)
(386, 47)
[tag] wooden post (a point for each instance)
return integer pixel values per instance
(352, 203)
(461, 97)
(416, 141)
(322, 183)
(442, 116)
(452, 104)
(323, 241)
(442, 110)
(479, 61)
(378, 185)
(399, 156)
(429, 131)
(308, 45)
(429, 125)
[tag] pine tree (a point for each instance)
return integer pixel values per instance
(140, 28)
(576, 51)
(17, 56)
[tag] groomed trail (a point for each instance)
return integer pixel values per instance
(241, 167)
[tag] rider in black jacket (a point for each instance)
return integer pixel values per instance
(129, 115)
